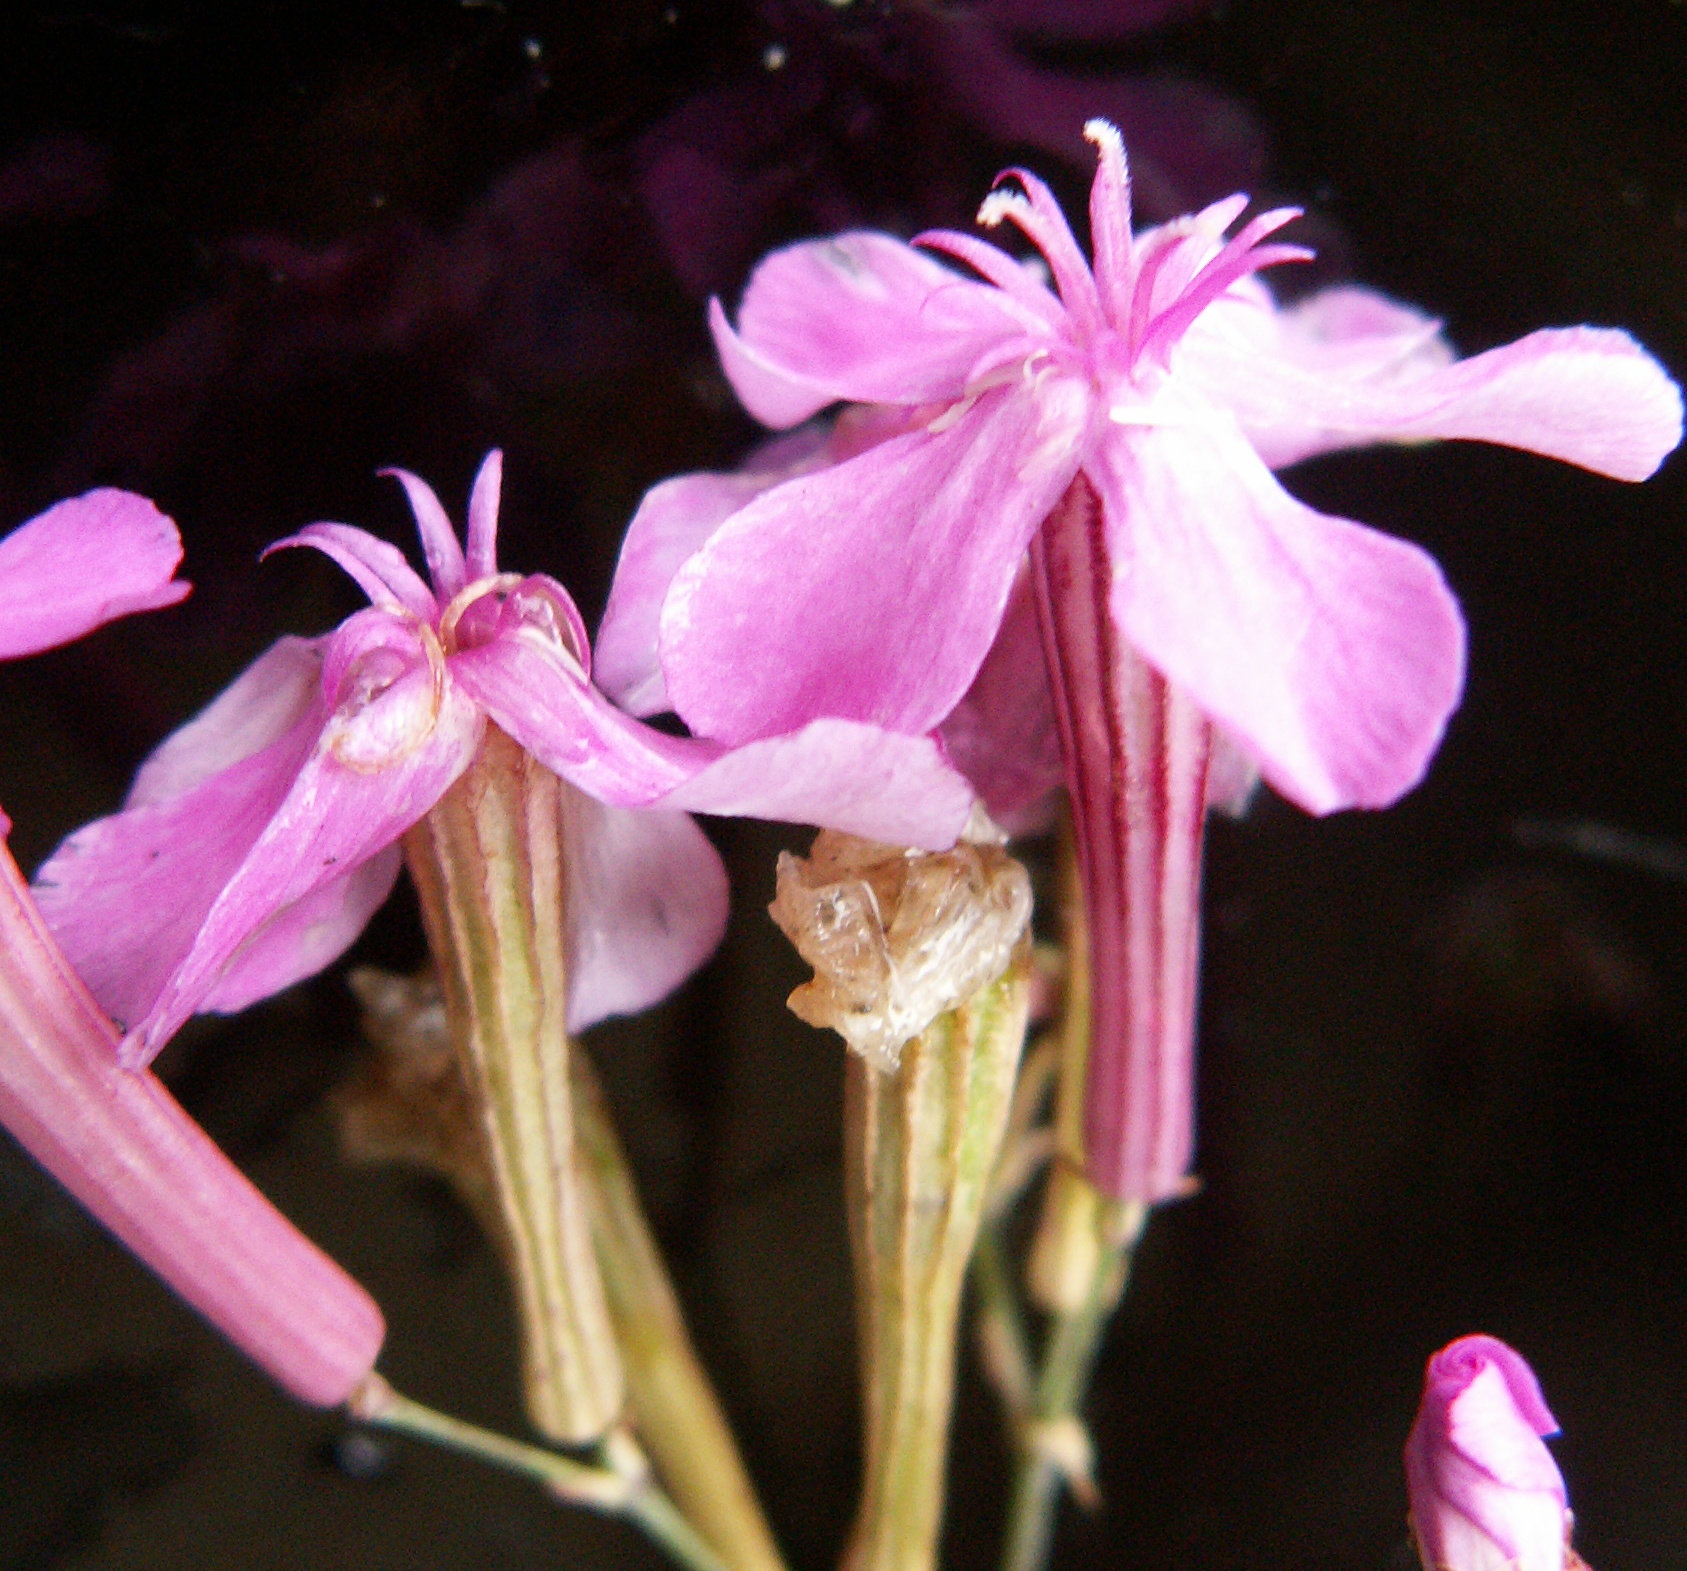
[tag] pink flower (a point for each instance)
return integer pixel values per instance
(259, 838)
(118, 1141)
(1486, 1494)
(1124, 430)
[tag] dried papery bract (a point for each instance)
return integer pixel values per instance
(928, 980)
(896, 937)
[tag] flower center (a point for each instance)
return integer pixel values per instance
(510, 606)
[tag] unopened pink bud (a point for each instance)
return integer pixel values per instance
(1485, 1492)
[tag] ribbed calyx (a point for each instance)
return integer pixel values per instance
(1137, 753)
(489, 864)
(923, 1125)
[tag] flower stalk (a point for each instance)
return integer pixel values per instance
(673, 1404)
(621, 1485)
(488, 861)
(923, 965)
(1076, 1273)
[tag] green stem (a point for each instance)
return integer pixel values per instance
(623, 1488)
(673, 1403)
(1069, 1353)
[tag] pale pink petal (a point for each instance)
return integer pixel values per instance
(674, 520)
(307, 936)
(124, 1148)
(907, 555)
(483, 516)
(334, 819)
(1002, 734)
(257, 708)
(127, 895)
(647, 905)
(1334, 654)
(539, 698)
(439, 540)
(84, 561)
(376, 566)
(1332, 374)
(860, 317)
(834, 773)
(839, 774)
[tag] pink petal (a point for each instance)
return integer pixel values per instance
(786, 615)
(647, 905)
(1002, 734)
(483, 516)
(674, 520)
(376, 566)
(124, 1148)
(839, 774)
(439, 540)
(1485, 1424)
(834, 773)
(155, 904)
(1332, 373)
(305, 937)
(859, 317)
(1485, 1492)
(334, 819)
(127, 895)
(257, 708)
(1452, 1369)
(1332, 653)
(84, 561)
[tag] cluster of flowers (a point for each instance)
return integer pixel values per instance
(1047, 546)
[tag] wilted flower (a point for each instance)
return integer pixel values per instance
(1486, 1494)
(1124, 430)
(258, 839)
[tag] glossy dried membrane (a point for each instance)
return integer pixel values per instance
(896, 937)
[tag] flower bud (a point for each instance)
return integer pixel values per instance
(1485, 1492)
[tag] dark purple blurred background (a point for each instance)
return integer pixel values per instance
(247, 259)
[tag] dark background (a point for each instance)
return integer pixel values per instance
(244, 261)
